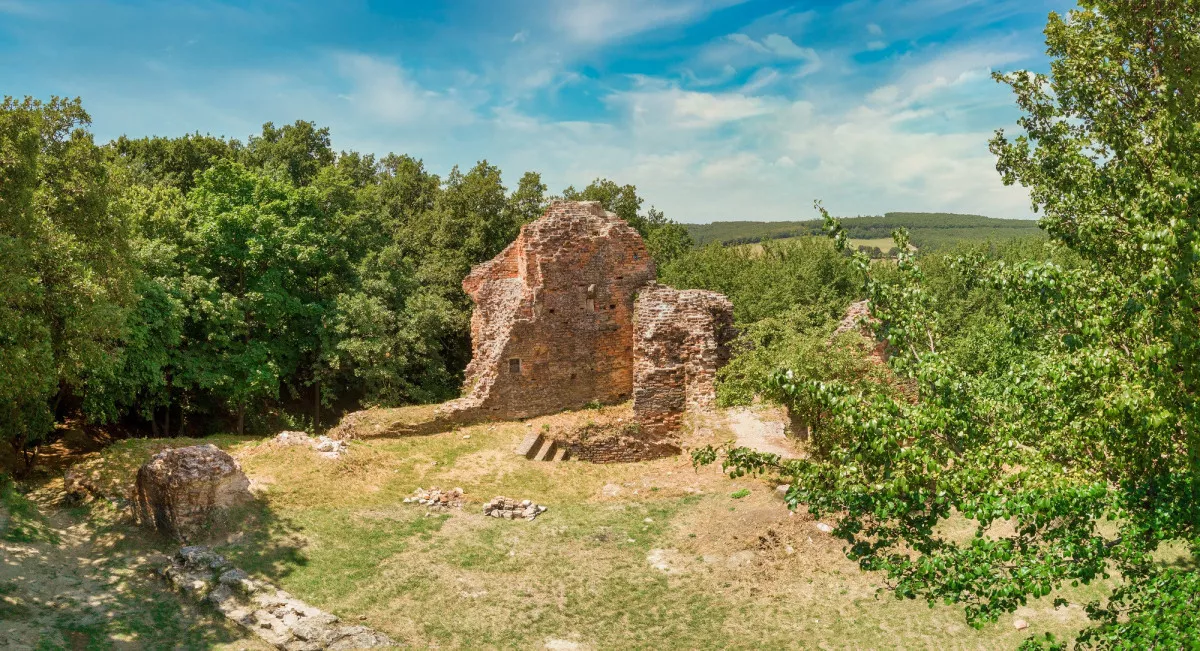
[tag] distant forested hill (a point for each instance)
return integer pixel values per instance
(929, 230)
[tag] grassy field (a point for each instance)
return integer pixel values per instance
(646, 555)
(928, 230)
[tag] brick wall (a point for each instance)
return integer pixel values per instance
(552, 327)
(681, 339)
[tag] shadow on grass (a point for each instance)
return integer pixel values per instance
(87, 576)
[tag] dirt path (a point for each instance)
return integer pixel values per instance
(67, 582)
(757, 433)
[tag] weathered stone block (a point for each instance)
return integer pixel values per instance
(179, 490)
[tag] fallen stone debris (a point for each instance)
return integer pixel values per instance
(325, 446)
(437, 498)
(274, 615)
(510, 509)
(179, 490)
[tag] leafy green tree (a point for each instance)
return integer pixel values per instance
(251, 247)
(1073, 446)
(171, 161)
(528, 201)
(63, 264)
(665, 239)
(299, 151)
(773, 279)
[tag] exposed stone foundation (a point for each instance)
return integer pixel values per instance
(617, 444)
(681, 339)
(270, 613)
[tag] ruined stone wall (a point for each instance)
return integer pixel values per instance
(617, 444)
(552, 327)
(681, 339)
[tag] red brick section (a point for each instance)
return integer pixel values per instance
(552, 327)
(681, 338)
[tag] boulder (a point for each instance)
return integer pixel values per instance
(179, 490)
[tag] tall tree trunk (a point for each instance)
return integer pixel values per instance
(317, 406)
(167, 429)
(241, 419)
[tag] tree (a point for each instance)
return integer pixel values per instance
(1079, 429)
(528, 201)
(298, 151)
(64, 264)
(251, 248)
(171, 161)
(665, 239)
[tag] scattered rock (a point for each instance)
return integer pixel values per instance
(669, 561)
(437, 498)
(274, 615)
(781, 491)
(1020, 624)
(325, 446)
(178, 491)
(611, 490)
(510, 509)
(562, 645)
(824, 528)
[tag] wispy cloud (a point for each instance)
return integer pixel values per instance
(599, 21)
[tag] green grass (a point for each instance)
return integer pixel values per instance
(20, 519)
(336, 534)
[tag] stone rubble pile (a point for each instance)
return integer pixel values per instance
(325, 446)
(437, 498)
(510, 509)
(274, 615)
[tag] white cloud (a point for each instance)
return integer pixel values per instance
(874, 29)
(384, 91)
(671, 107)
(761, 78)
(876, 45)
(599, 21)
(520, 36)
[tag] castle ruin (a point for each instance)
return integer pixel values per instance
(554, 326)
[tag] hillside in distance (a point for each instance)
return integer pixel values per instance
(928, 230)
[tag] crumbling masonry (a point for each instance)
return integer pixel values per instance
(681, 338)
(554, 326)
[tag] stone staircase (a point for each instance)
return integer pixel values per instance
(536, 447)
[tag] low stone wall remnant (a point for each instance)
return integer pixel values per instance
(270, 613)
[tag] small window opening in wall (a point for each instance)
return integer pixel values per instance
(613, 306)
(551, 310)
(622, 277)
(514, 365)
(591, 298)
(573, 376)
(636, 256)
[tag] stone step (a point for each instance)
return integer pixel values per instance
(547, 451)
(562, 454)
(529, 447)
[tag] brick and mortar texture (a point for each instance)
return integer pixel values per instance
(681, 339)
(552, 327)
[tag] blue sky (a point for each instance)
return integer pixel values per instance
(715, 109)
